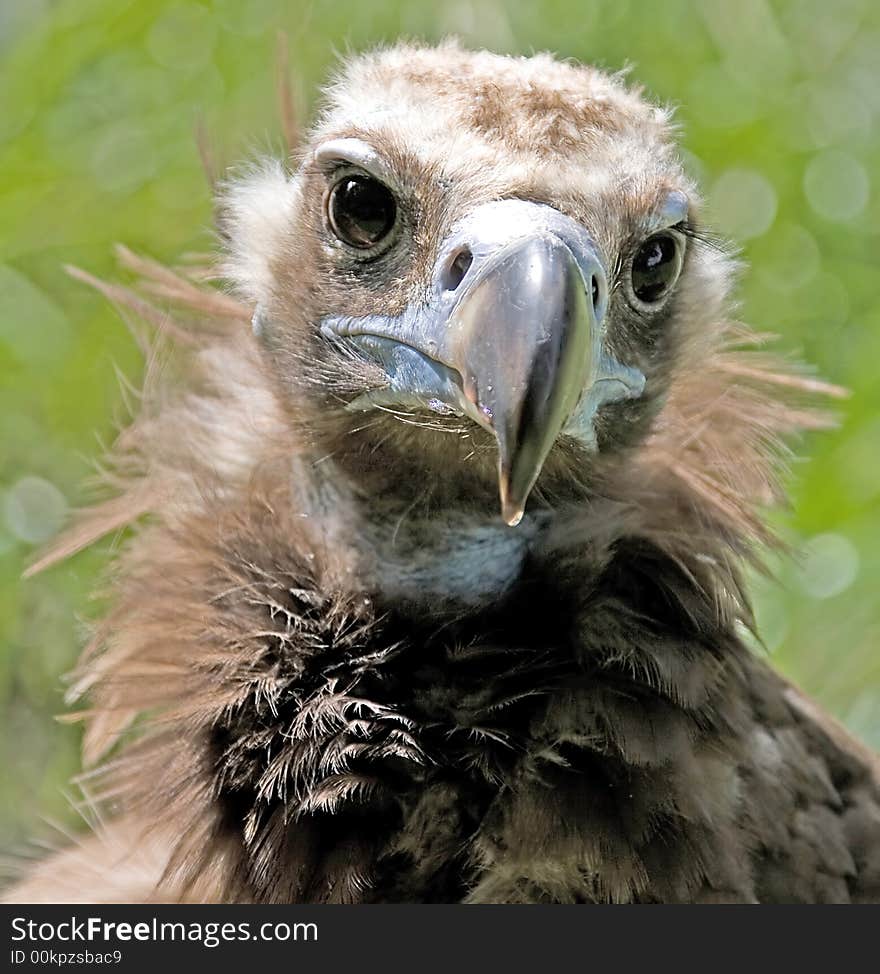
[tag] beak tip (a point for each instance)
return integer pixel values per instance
(512, 514)
(512, 510)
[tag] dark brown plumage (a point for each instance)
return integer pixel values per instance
(332, 673)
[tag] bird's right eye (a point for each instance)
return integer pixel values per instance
(361, 211)
(655, 268)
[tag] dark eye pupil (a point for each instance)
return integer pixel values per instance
(655, 268)
(362, 211)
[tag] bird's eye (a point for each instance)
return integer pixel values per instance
(361, 211)
(655, 267)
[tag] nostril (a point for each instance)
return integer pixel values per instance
(457, 268)
(594, 290)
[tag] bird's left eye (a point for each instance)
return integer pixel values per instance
(361, 211)
(655, 268)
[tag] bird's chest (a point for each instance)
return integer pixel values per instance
(391, 740)
(468, 707)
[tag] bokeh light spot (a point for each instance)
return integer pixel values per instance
(835, 113)
(34, 509)
(743, 203)
(836, 185)
(830, 565)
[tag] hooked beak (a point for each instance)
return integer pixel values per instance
(515, 343)
(520, 338)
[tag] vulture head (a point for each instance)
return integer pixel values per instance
(480, 281)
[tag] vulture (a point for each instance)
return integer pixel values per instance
(438, 512)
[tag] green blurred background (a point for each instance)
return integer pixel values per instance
(99, 101)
